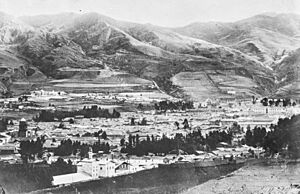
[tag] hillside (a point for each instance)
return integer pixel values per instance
(193, 65)
(288, 71)
(266, 37)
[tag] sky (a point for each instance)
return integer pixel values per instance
(169, 13)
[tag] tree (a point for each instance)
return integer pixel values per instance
(156, 107)
(140, 106)
(60, 162)
(130, 143)
(253, 100)
(235, 128)
(176, 124)
(264, 101)
(70, 162)
(104, 135)
(137, 137)
(61, 125)
(3, 125)
(249, 137)
(107, 148)
(122, 142)
(132, 122)
(31, 149)
(144, 121)
(153, 138)
(185, 124)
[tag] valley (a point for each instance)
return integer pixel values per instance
(93, 104)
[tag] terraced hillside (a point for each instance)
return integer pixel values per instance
(214, 84)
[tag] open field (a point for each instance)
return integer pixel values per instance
(102, 83)
(254, 179)
(213, 84)
(196, 84)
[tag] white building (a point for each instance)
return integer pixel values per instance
(66, 179)
(104, 168)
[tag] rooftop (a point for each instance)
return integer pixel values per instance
(70, 178)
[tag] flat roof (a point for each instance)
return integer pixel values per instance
(70, 178)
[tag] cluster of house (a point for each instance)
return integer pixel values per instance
(10, 141)
(106, 166)
(207, 116)
(47, 93)
(116, 165)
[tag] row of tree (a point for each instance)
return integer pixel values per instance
(189, 144)
(69, 147)
(29, 150)
(169, 105)
(93, 112)
(282, 138)
(276, 102)
(99, 134)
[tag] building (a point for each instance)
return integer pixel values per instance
(4, 138)
(51, 145)
(8, 148)
(66, 179)
(97, 168)
(105, 167)
(22, 128)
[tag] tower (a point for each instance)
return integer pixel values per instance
(90, 153)
(22, 128)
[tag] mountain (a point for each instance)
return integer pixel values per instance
(266, 37)
(198, 65)
(288, 71)
(12, 30)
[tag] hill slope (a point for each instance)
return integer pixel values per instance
(53, 46)
(288, 71)
(265, 37)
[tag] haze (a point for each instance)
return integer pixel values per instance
(158, 12)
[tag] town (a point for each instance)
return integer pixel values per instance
(94, 135)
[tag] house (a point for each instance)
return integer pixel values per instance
(146, 162)
(8, 148)
(105, 167)
(4, 138)
(97, 168)
(231, 92)
(51, 145)
(125, 168)
(206, 103)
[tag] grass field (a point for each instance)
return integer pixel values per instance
(212, 84)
